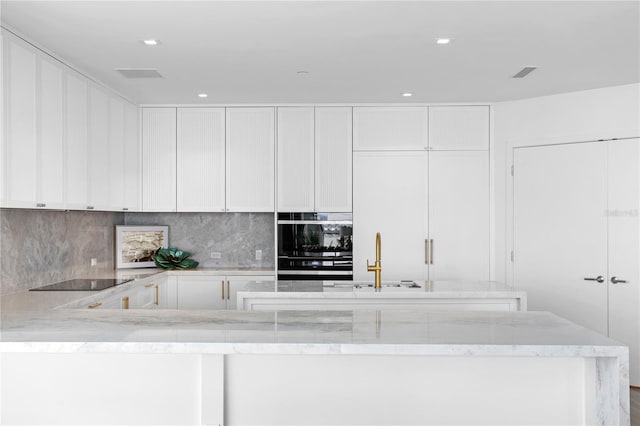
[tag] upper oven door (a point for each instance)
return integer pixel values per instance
(314, 235)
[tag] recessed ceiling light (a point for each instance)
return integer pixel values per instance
(150, 42)
(443, 41)
(407, 94)
(202, 95)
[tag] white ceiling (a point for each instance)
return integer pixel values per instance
(354, 52)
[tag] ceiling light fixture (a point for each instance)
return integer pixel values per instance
(407, 94)
(524, 72)
(302, 72)
(443, 41)
(202, 95)
(150, 42)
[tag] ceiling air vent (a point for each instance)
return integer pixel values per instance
(139, 72)
(524, 72)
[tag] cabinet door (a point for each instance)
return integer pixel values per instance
(200, 156)
(51, 144)
(98, 189)
(132, 150)
(624, 247)
(389, 128)
(250, 160)
(389, 196)
(560, 231)
(159, 159)
(459, 215)
(201, 292)
(20, 141)
(295, 159)
(459, 128)
(116, 154)
(76, 132)
(247, 283)
(333, 159)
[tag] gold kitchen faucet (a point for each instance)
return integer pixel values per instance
(376, 267)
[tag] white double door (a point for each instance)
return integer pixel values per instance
(431, 209)
(577, 234)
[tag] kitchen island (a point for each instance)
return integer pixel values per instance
(299, 367)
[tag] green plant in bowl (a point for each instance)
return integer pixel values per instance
(173, 258)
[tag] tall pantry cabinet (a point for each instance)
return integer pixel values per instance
(576, 235)
(421, 179)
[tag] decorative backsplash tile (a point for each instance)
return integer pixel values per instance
(236, 236)
(40, 247)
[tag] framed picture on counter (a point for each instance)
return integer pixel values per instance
(135, 245)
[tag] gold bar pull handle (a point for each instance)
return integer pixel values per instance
(222, 285)
(149, 285)
(125, 302)
(431, 251)
(228, 290)
(157, 295)
(426, 252)
(95, 305)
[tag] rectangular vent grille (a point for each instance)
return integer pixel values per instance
(524, 72)
(139, 72)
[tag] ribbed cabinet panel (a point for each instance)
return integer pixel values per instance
(250, 159)
(98, 149)
(159, 159)
(201, 160)
(50, 136)
(459, 127)
(333, 159)
(116, 154)
(131, 161)
(76, 141)
(20, 142)
(389, 128)
(296, 159)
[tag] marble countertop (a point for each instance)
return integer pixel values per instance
(318, 332)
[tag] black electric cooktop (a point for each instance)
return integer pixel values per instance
(82, 284)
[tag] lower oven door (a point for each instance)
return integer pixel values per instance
(339, 267)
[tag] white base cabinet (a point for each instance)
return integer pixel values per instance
(216, 292)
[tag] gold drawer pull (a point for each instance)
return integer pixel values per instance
(149, 285)
(157, 295)
(125, 302)
(95, 305)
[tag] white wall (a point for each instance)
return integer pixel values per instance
(612, 112)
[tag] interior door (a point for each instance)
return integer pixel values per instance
(560, 231)
(390, 197)
(459, 215)
(624, 247)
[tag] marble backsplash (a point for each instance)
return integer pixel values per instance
(236, 236)
(42, 247)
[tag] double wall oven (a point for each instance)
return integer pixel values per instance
(315, 246)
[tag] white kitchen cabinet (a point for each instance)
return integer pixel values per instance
(131, 175)
(459, 215)
(218, 291)
(76, 136)
(50, 135)
(333, 159)
(390, 128)
(250, 160)
(314, 159)
(116, 153)
(20, 144)
(390, 197)
(576, 227)
(296, 158)
(459, 127)
(159, 159)
(99, 150)
(264, 283)
(201, 160)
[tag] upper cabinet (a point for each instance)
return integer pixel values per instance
(457, 128)
(250, 160)
(390, 128)
(64, 139)
(201, 160)
(159, 159)
(314, 159)
(132, 151)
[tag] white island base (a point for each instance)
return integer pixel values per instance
(311, 368)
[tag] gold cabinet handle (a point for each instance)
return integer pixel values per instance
(431, 251)
(157, 294)
(95, 305)
(222, 285)
(228, 290)
(426, 252)
(149, 285)
(125, 302)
